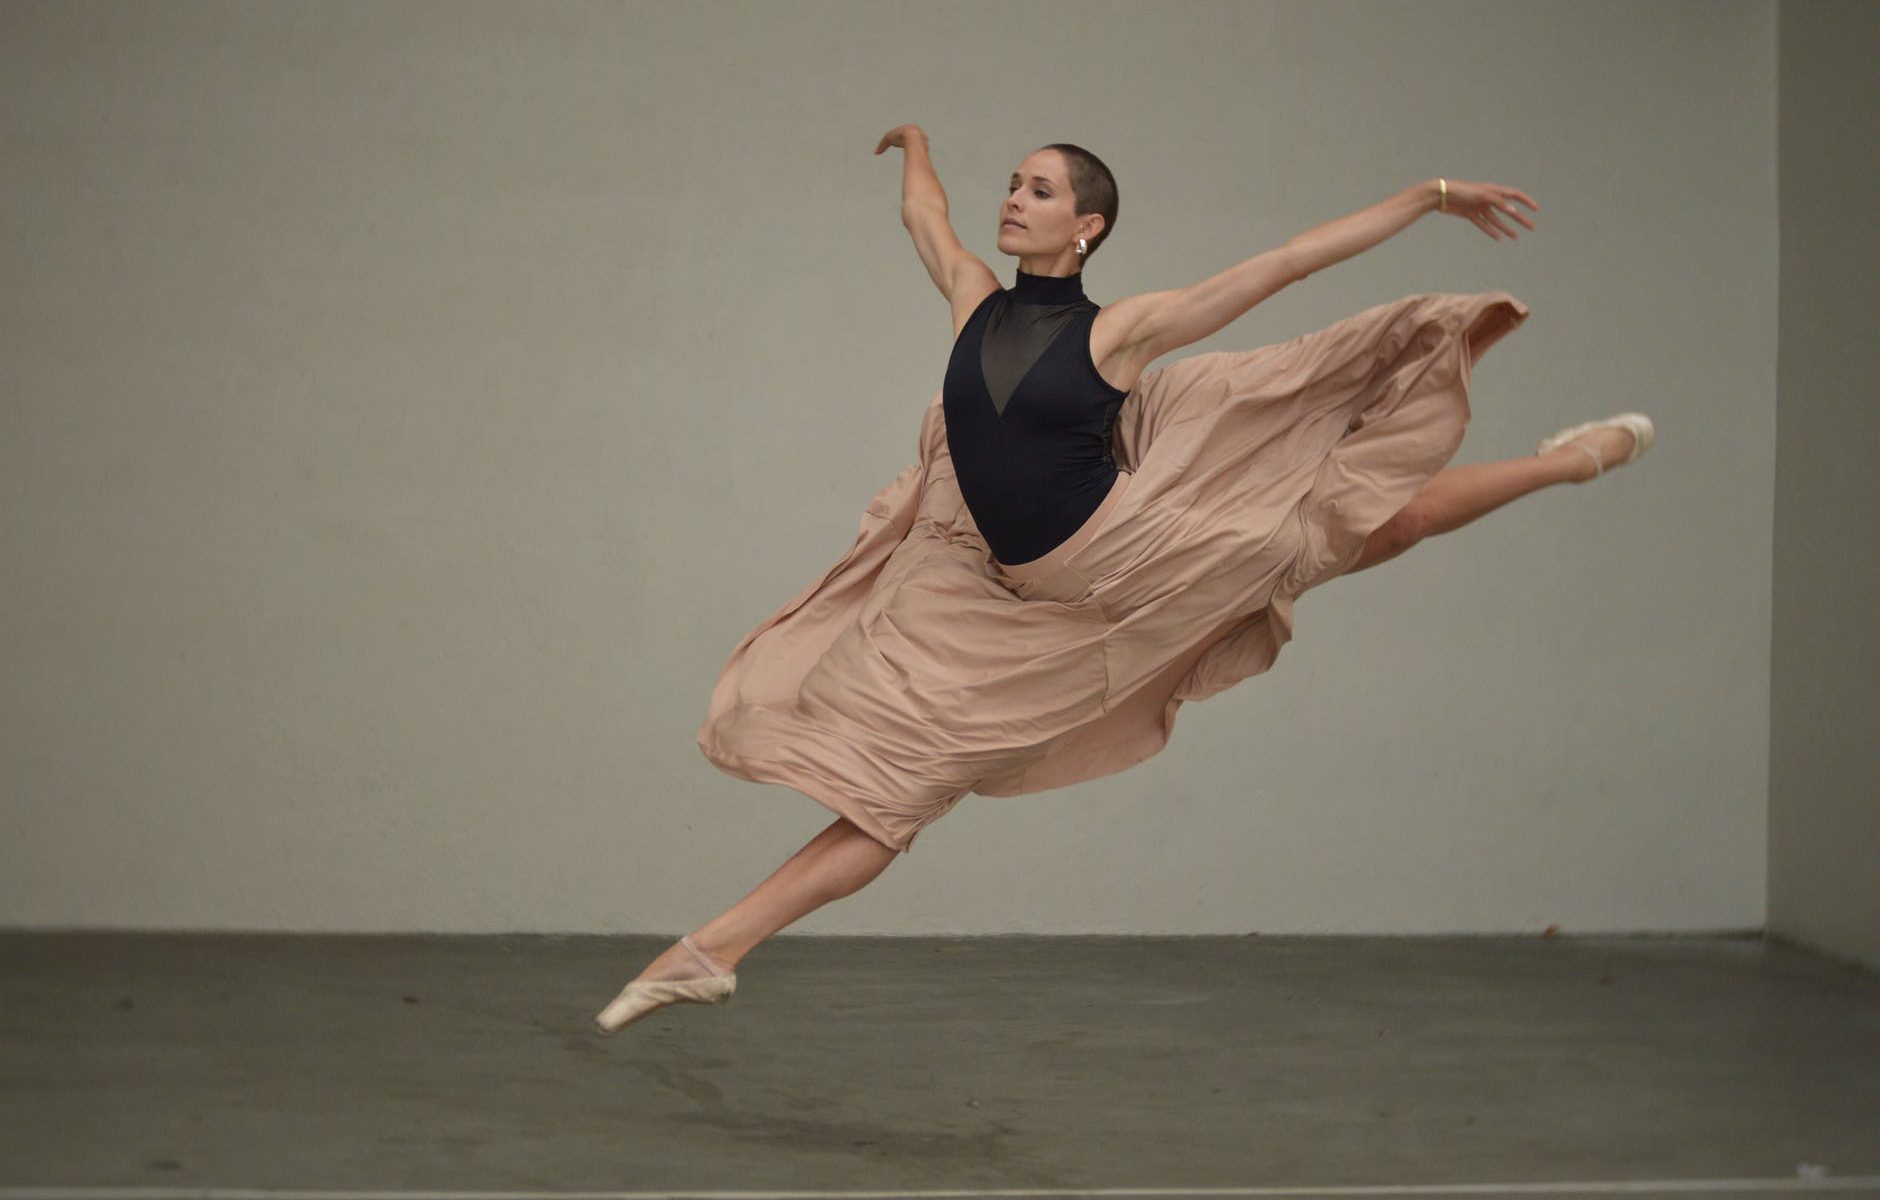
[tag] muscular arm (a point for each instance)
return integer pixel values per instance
(924, 212)
(1176, 318)
(959, 275)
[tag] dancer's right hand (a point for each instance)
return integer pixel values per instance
(899, 136)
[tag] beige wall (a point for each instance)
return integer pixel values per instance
(1824, 777)
(409, 406)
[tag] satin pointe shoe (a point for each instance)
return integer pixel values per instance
(1638, 423)
(639, 998)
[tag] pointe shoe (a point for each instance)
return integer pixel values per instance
(1638, 423)
(639, 998)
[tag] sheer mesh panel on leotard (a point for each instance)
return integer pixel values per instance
(1015, 337)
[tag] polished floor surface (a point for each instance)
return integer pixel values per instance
(170, 1065)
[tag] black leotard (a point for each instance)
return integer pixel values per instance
(1029, 419)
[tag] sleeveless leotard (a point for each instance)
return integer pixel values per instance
(1028, 418)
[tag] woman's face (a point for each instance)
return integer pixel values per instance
(1038, 219)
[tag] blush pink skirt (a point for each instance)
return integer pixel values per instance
(918, 668)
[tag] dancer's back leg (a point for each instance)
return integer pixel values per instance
(1457, 495)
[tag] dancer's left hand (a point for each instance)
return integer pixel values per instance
(1487, 205)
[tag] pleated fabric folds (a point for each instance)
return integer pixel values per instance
(913, 671)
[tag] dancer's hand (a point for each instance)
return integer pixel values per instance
(899, 136)
(1486, 204)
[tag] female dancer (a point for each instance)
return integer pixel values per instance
(1021, 610)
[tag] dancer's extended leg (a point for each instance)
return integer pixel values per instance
(835, 863)
(1457, 495)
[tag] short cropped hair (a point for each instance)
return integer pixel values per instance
(1093, 186)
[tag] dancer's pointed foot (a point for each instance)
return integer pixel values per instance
(690, 974)
(1595, 447)
(688, 958)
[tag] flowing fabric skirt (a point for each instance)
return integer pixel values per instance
(918, 668)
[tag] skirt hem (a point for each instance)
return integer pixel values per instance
(818, 788)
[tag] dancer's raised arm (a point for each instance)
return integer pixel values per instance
(1176, 318)
(924, 212)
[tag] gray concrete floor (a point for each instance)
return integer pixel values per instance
(1004, 1064)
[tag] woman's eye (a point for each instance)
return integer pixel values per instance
(1042, 195)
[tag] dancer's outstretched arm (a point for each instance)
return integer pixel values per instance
(1169, 320)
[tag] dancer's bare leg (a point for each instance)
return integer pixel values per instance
(1457, 495)
(835, 863)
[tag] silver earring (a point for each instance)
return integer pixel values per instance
(1080, 247)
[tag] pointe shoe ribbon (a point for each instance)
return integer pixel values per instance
(1639, 424)
(640, 998)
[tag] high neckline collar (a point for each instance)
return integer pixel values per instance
(1048, 289)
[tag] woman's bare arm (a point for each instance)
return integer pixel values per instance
(956, 271)
(1335, 241)
(1173, 319)
(920, 186)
